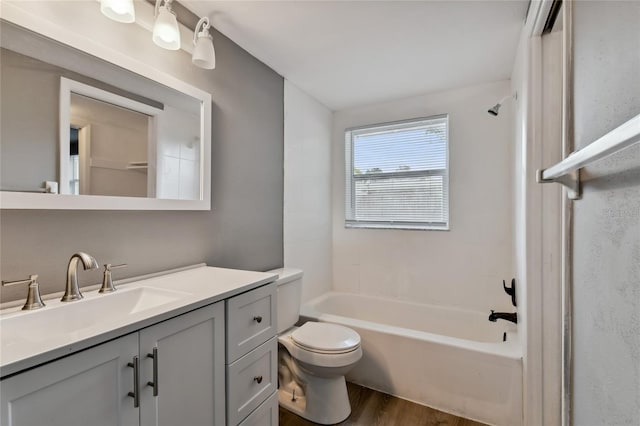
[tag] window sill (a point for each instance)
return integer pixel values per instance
(399, 226)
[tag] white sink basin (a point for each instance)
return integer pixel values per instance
(72, 319)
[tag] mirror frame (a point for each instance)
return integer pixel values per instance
(26, 200)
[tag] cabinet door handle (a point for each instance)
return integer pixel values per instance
(257, 319)
(136, 385)
(154, 384)
(258, 379)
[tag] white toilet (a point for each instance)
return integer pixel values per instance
(312, 358)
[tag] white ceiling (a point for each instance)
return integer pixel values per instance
(351, 53)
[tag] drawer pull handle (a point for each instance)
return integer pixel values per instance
(258, 379)
(154, 383)
(257, 319)
(136, 387)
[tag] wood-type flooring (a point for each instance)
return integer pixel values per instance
(373, 408)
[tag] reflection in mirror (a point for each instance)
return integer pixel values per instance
(92, 127)
(108, 150)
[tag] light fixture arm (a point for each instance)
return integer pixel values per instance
(167, 4)
(204, 22)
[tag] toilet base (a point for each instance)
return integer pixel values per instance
(325, 400)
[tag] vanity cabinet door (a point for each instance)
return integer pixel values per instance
(88, 388)
(190, 370)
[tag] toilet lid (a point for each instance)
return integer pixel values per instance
(324, 337)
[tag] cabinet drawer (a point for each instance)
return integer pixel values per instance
(250, 380)
(251, 320)
(265, 415)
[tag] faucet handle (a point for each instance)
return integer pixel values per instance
(511, 291)
(107, 282)
(34, 301)
(110, 266)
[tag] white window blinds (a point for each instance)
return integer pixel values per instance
(397, 175)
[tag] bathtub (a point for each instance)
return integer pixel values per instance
(449, 359)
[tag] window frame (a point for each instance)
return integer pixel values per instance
(350, 134)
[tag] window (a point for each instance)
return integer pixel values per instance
(397, 175)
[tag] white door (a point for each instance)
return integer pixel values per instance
(189, 384)
(87, 388)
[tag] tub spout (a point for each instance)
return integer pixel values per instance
(509, 316)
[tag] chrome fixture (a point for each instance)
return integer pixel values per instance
(509, 316)
(34, 301)
(494, 110)
(567, 171)
(118, 10)
(72, 292)
(166, 32)
(107, 282)
(204, 55)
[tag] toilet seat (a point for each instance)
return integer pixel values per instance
(326, 338)
(336, 358)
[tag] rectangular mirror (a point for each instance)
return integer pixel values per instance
(81, 132)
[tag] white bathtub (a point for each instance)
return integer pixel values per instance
(452, 360)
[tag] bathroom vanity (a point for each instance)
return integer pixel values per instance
(192, 347)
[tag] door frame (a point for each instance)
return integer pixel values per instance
(543, 212)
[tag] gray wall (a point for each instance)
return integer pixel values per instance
(29, 133)
(606, 285)
(244, 227)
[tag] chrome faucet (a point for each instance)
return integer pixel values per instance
(72, 292)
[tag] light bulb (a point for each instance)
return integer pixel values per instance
(166, 32)
(204, 55)
(118, 10)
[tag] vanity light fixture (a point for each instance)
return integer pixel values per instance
(204, 55)
(166, 32)
(118, 10)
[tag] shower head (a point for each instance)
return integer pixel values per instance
(495, 109)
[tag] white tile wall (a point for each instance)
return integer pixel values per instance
(464, 266)
(178, 155)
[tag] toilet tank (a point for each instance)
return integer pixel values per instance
(289, 293)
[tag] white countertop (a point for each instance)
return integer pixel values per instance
(194, 288)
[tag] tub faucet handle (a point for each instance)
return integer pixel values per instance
(511, 291)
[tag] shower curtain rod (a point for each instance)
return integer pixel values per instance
(566, 172)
